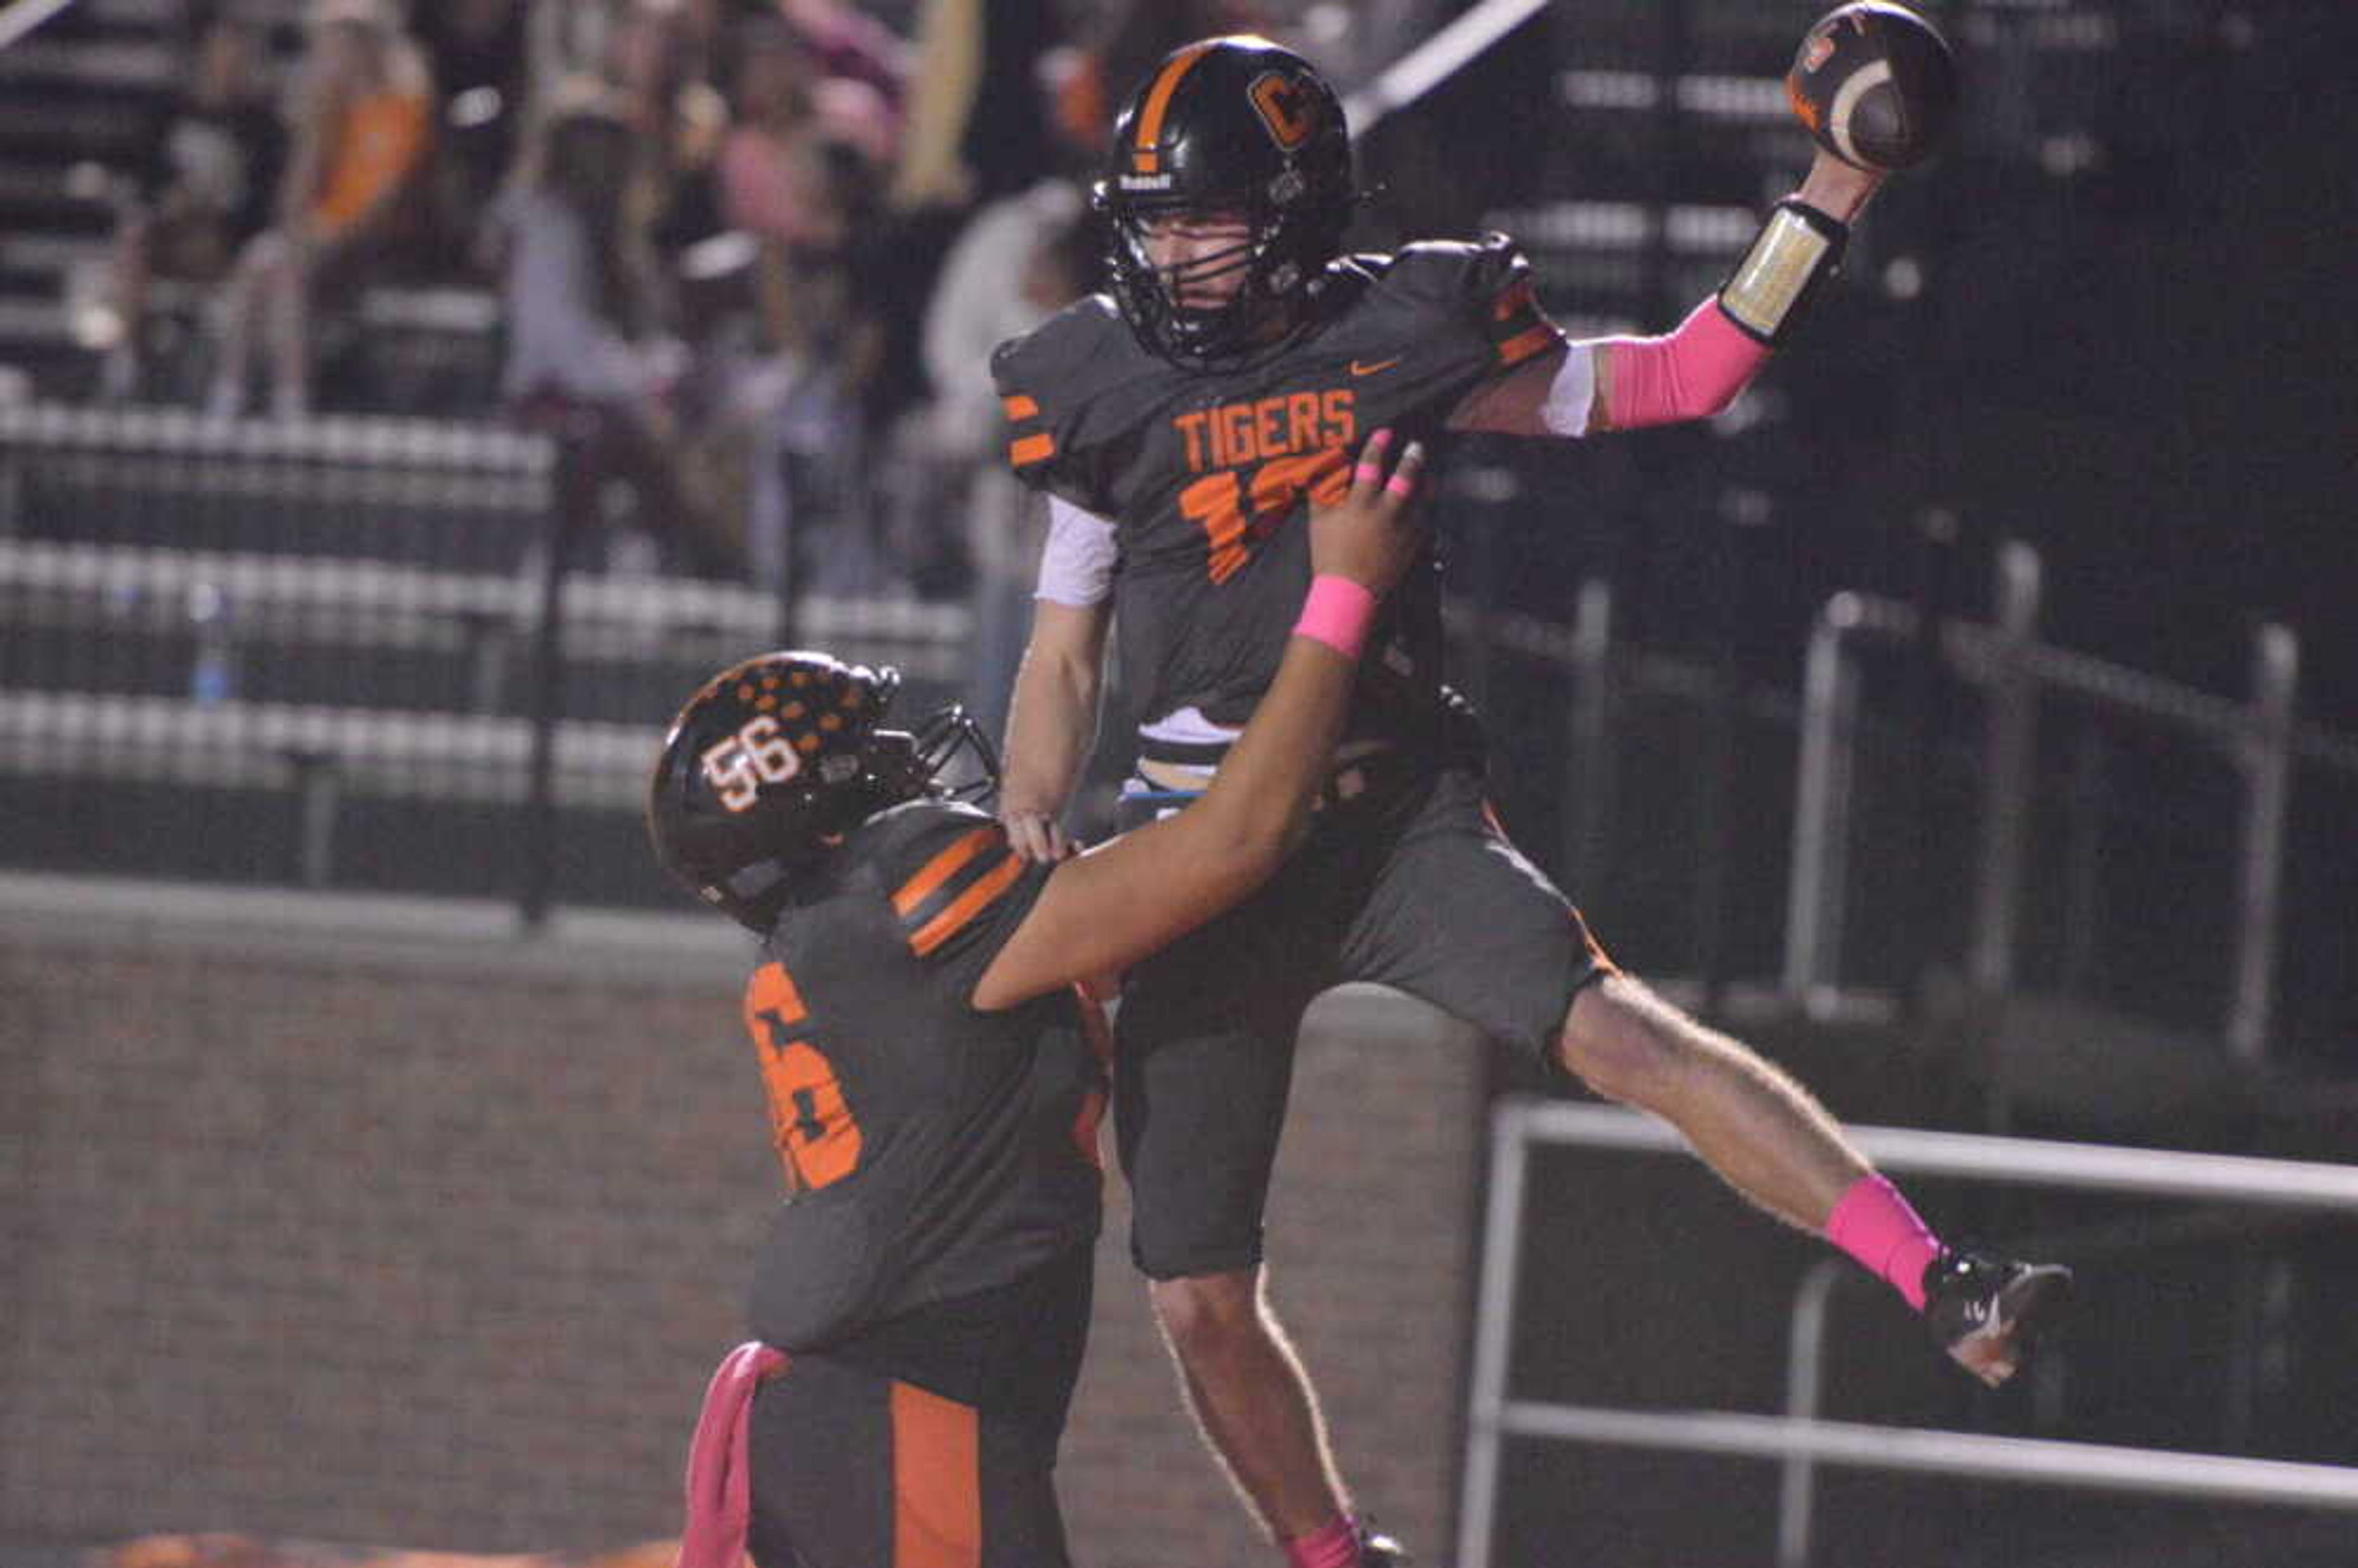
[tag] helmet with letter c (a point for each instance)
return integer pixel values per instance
(1240, 127)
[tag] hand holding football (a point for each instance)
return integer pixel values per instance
(1875, 83)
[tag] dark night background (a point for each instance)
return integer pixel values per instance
(2110, 320)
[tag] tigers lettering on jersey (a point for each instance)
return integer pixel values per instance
(1237, 433)
(1300, 441)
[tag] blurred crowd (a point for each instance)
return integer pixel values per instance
(750, 255)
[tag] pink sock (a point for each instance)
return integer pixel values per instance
(1875, 1224)
(1334, 1544)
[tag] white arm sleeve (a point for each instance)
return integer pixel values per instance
(1076, 564)
(1549, 395)
(1571, 394)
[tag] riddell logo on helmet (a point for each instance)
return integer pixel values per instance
(1146, 182)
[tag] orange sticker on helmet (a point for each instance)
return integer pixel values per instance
(1286, 108)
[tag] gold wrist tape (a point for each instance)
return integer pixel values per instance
(1784, 262)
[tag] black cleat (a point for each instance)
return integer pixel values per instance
(1986, 1311)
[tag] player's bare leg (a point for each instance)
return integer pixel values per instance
(1762, 1132)
(1251, 1396)
(1767, 1137)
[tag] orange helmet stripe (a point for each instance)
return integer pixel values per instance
(1149, 128)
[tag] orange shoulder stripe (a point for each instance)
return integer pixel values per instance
(941, 867)
(966, 905)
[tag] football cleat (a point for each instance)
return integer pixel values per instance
(1383, 1552)
(1987, 1312)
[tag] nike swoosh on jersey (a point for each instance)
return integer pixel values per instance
(1358, 369)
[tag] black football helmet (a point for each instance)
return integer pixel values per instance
(778, 755)
(1233, 125)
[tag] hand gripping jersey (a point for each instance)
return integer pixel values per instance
(936, 1152)
(1206, 473)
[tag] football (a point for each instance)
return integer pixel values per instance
(1875, 83)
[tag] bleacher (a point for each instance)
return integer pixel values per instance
(75, 98)
(322, 638)
(331, 633)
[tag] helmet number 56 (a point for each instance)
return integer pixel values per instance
(739, 765)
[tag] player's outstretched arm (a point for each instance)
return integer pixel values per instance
(1875, 88)
(1103, 911)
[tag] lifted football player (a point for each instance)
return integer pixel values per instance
(935, 1075)
(1179, 426)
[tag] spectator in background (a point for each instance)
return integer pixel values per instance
(1130, 37)
(1023, 258)
(664, 58)
(977, 130)
(210, 168)
(977, 126)
(793, 178)
(567, 41)
(362, 128)
(583, 304)
(779, 186)
(477, 51)
(848, 44)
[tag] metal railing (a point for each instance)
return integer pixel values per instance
(2014, 669)
(1798, 1437)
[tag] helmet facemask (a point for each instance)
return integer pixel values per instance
(1233, 130)
(1278, 257)
(956, 759)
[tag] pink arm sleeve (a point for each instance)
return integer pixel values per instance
(1691, 374)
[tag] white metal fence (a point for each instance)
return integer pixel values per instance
(1798, 1438)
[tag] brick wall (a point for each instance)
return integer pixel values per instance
(430, 1239)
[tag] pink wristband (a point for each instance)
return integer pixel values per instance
(1336, 611)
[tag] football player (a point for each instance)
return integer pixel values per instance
(935, 1074)
(1179, 424)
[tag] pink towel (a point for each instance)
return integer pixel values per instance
(719, 1478)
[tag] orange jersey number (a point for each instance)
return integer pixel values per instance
(1235, 516)
(816, 1132)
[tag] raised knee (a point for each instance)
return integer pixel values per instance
(1206, 1311)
